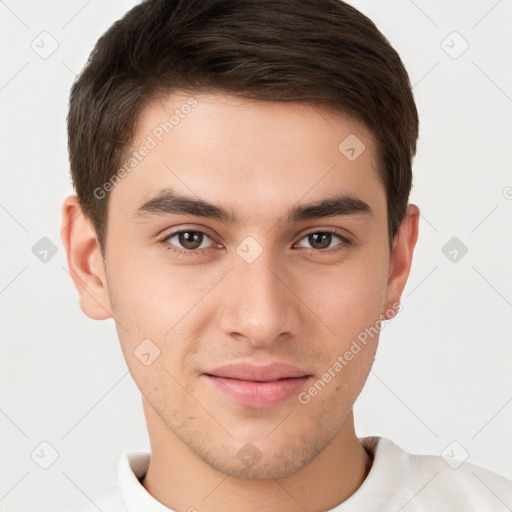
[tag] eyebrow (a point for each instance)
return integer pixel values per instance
(169, 202)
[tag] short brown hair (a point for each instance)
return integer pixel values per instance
(322, 52)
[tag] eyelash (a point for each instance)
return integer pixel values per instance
(196, 252)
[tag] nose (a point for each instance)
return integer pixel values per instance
(259, 303)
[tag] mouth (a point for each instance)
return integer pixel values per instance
(258, 386)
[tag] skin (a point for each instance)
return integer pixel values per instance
(293, 304)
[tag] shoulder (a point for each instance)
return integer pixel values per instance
(440, 481)
(132, 467)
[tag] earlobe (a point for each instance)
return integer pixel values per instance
(84, 260)
(401, 257)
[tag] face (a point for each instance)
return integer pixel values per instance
(235, 313)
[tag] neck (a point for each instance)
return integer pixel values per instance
(180, 480)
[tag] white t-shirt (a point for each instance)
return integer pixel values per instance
(397, 481)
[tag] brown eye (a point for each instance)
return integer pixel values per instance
(187, 239)
(190, 239)
(322, 240)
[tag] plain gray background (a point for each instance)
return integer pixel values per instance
(441, 382)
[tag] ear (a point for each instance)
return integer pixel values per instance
(401, 258)
(84, 260)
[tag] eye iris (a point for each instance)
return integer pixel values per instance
(189, 239)
(323, 239)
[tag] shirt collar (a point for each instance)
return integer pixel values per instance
(131, 471)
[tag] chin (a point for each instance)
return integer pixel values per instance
(265, 459)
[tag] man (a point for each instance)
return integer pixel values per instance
(242, 172)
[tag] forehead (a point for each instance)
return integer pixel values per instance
(248, 156)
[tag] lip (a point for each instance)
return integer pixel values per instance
(258, 386)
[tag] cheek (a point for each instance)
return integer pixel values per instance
(152, 294)
(348, 298)
(161, 303)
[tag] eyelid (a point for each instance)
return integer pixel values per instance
(345, 243)
(345, 240)
(174, 231)
(201, 230)
(334, 231)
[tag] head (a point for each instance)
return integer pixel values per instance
(243, 170)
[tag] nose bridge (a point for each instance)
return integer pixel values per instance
(258, 305)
